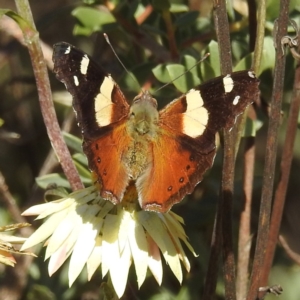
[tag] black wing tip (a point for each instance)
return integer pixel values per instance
(62, 45)
(59, 49)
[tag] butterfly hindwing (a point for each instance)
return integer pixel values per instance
(178, 165)
(105, 160)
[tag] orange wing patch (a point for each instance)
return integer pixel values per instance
(177, 167)
(105, 160)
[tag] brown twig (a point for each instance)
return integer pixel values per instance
(9, 201)
(252, 23)
(44, 91)
(170, 33)
(245, 240)
(223, 225)
(213, 263)
(226, 197)
(285, 167)
(270, 160)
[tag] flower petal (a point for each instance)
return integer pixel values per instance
(105, 208)
(57, 206)
(139, 250)
(170, 220)
(57, 259)
(124, 228)
(66, 249)
(44, 231)
(176, 231)
(38, 209)
(154, 225)
(82, 250)
(154, 259)
(12, 239)
(110, 243)
(61, 233)
(95, 258)
(119, 271)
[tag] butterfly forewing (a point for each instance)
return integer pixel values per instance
(95, 94)
(226, 97)
(211, 106)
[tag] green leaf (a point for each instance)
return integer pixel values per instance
(55, 194)
(268, 55)
(267, 60)
(58, 179)
(245, 63)
(166, 73)
(191, 64)
(161, 73)
(85, 175)
(178, 8)
(81, 158)
(91, 20)
(176, 70)
(73, 142)
(230, 9)
(23, 24)
(210, 68)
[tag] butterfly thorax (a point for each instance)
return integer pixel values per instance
(142, 127)
(143, 116)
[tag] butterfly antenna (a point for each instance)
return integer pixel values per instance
(116, 55)
(188, 70)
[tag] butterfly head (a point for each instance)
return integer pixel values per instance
(143, 115)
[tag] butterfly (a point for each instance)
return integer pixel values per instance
(164, 153)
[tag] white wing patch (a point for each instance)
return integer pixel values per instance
(251, 74)
(103, 102)
(68, 50)
(228, 83)
(76, 81)
(84, 64)
(236, 100)
(196, 116)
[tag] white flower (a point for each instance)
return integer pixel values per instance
(95, 232)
